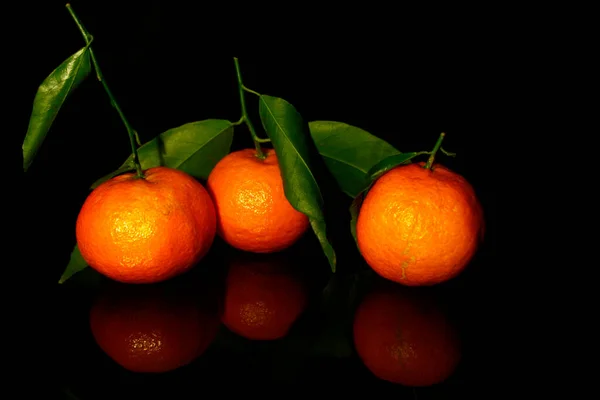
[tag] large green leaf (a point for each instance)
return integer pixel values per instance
(50, 97)
(349, 152)
(289, 136)
(76, 264)
(195, 148)
(375, 172)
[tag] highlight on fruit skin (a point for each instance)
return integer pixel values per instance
(150, 329)
(402, 336)
(146, 230)
(253, 213)
(420, 227)
(263, 296)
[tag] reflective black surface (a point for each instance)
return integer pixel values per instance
(318, 351)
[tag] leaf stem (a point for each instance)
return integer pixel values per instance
(133, 137)
(437, 146)
(250, 91)
(449, 154)
(242, 88)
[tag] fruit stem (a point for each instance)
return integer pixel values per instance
(437, 146)
(133, 137)
(245, 118)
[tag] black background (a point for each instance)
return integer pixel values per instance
(163, 76)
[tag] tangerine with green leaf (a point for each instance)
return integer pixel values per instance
(253, 212)
(420, 224)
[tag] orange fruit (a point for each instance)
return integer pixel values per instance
(253, 213)
(146, 230)
(148, 329)
(418, 226)
(263, 297)
(404, 338)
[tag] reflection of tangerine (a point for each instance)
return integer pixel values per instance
(145, 329)
(253, 213)
(263, 297)
(146, 230)
(418, 226)
(401, 337)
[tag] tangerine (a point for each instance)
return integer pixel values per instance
(146, 230)
(419, 226)
(253, 213)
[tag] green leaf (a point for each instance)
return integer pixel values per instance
(289, 136)
(195, 148)
(389, 163)
(375, 172)
(349, 153)
(76, 264)
(50, 97)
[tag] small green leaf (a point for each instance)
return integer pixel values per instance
(194, 148)
(375, 172)
(50, 97)
(389, 163)
(76, 264)
(289, 136)
(349, 152)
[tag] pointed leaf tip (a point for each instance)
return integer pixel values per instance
(76, 264)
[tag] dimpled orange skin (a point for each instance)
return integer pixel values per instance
(262, 299)
(146, 230)
(419, 227)
(404, 339)
(152, 333)
(253, 213)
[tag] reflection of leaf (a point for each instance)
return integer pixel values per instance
(69, 394)
(194, 148)
(289, 136)
(50, 97)
(349, 153)
(226, 339)
(337, 306)
(76, 264)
